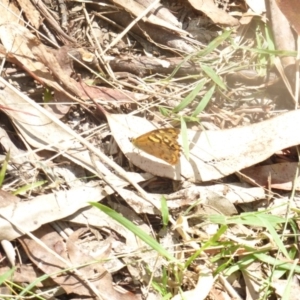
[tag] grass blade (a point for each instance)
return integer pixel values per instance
(136, 230)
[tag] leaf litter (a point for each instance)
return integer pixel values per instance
(138, 81)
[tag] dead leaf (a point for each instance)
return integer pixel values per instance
(25, 274)
(26, 48)
(38, 59)
(212, 11)
(277, 176)
(202, 289)
(7, 199)
(43, 209)
(213, 154)
(166, 39)
(160, 11)
(32, 14)
(291, 10)
(257, 6)
(70, 282)
(283, 34)
(280, 287)
(252, 274)
(38, 131)
(137, 9)
(12, 13)
(49, 263)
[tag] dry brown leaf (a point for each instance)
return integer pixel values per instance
(70, 282)
(291, 10)
(32, 14)
(98, 219)
(252, 275)
(280, 286)
(28, 51)
(213, 154)
(38, 130)
(137, 9)
(277, 176)
(166, 39)
(257, 6)
(7, 199)
(217, 15)
(78, 254)
(30, 215)
(114, 96)
(282, 32)
(26, 274)
(38, 59)
(12, 13)
(46, 261)
(202, 289)
(161, 12)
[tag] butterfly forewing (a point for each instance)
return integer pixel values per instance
(161, 143)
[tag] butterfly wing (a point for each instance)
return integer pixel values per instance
(161, 143)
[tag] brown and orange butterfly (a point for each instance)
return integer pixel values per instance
(161, 143)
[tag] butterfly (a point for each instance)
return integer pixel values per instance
(161, 143)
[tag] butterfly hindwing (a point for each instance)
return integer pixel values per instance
(161, 143)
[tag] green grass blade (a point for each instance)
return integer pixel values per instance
(287, 291)
(190, 97)
(136, 230)
(211, 241)
(4, 168)
(215, 43)
(211, 47)
(32, 286)
(205, 100)
(29, 187)
(164, 111)
(213, 75)
(240, 265)
(7, 275)
(283, 265)
(274, 235)
(251, 219)
(269, 52)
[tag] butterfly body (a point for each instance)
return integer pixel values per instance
(161, 143)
